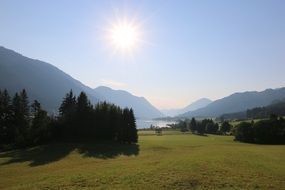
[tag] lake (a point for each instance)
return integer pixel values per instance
(146, 123)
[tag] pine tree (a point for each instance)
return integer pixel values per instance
(20, 118)
(225, 127)
(133, 138)
(193, 125)
(124, 127)
(67, 113)
(83, 118)
(5, 117)
(68, 105)
(40, 130)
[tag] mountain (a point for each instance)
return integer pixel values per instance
(277, 108)
(238, 102)
(142, 108)
(47, 84)
(42, 81)
(193, 106)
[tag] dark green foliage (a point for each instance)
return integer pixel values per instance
(193, 125)
(212, 128)
(5, 117)
(20, 118)
(278, 107)
(244, 132)
(264, 112)
(181, 125)
(271, 131)
(41, 129)
(68, 106)
(197, 127)
(128, 131)
(158, 131)
(20, 126)
(225, 127)
(133, 133)
(80, 121)
(23, 125)
(201, 128)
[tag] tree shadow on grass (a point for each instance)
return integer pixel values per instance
(108, 150)
(46, 154)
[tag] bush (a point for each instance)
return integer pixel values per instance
(271, 131)
(244, 132)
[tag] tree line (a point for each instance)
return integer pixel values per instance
(269, 131)
(24, 124)
(204, 126)
(278, 108)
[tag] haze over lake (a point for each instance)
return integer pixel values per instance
(143, 123)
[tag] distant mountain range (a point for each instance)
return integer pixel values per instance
(142, 107)
(191, 107)
(42, 81)
(238, 102)
(277, 108)
(47, 84)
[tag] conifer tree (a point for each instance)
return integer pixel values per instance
(193, 125)
(68, 105)
(133, 138)
(5, 117)
(20, 117)
(40, 130)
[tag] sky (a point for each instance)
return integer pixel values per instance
(186, 50)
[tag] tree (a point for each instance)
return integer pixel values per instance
(133, 138)
(244, 132)
(83, 104)
(23, 125)
(83, 116)
(20, 118)
(67, 111)
(68, 106)
(182, 125)
(40, 130)
(5, 118)
(225, 127)
(212, 127)
(201, 128)
(158, 131)
(270, 131)
(193, 125)
(128, 131)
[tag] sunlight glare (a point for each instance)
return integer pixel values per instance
(124, 36)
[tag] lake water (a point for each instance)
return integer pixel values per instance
(146, 123)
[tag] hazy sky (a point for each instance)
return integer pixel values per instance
(188, 49)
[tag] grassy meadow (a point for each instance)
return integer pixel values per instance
(170, 161)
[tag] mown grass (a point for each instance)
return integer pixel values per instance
(170, 161)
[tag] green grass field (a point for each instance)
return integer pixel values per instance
(170, 161)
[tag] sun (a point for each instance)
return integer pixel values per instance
(124, 36)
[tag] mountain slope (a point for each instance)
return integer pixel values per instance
(142, 108)
(193, 106)
(42, 81)
(238, 102)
